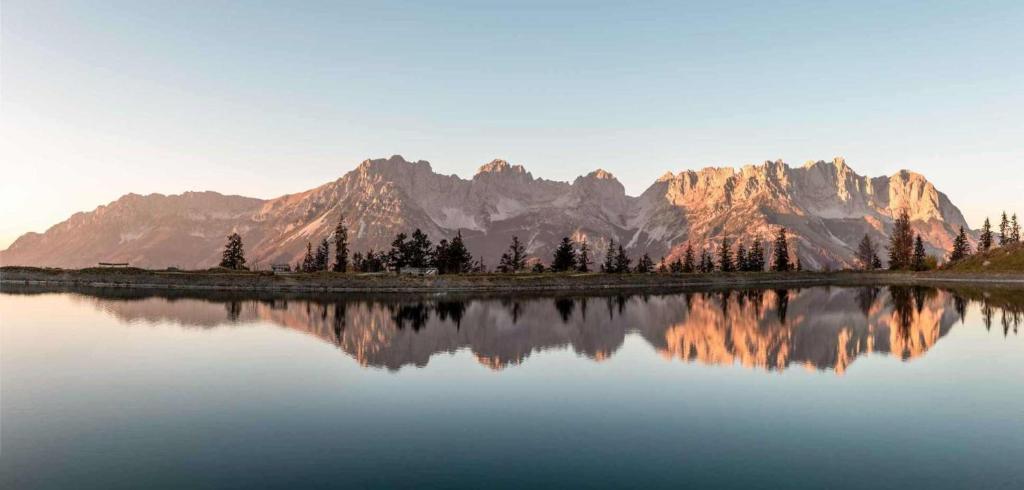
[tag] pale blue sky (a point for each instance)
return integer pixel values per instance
(104, 98)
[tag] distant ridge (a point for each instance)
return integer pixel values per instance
(825, 204)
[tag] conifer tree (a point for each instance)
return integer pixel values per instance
(780, 254)
(564, 258)
(537, 268)
(517, 254)
(961, 247)
(985, 240)
(645, 264)
(866, 253)
(234, 253)
(725, 263)
(396, 257)
(676, 267)
(418, 253)
(1004, 230)
(1014, 229)
(917, 261)
(609, 258)
(755, 257)
(583, 260)
(662, 265)
(707, 264)
(622, 261)
(876, 262)
(357, 262)
(901, 242)
(742, 263)
(340, 246)
(323, 254)
(799, 266)
(688, 259)
(505, 264)
(309, 261)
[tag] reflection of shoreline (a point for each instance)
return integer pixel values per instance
(823, 328)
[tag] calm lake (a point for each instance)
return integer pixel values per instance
(801, 388)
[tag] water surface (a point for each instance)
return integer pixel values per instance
(817, 387)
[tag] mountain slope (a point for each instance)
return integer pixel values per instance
(826, 206)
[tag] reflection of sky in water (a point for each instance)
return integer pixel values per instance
(117, 392)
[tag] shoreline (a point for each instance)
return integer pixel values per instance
(328, 282)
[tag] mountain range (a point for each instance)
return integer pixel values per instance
(825, 205)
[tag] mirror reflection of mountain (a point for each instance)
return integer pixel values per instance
(821, 327)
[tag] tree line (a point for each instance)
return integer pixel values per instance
(907, 252)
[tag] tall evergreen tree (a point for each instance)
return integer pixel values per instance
(725, 263)
(1014, 229)
(961, 247)
(609, 257)
(645, 264)
(799, 266)
(1004, 230)
(866, 253)
(583, 260)
(517, 254)
(917, 261)
(564, 258)
(234, 254)
(688, 259)
(742, 264)
(309, 261)
(622, 261)
(419, 249)
(341, 246)
(396, 257)
(755, 257)
(662, 265)
(901, 242)
(985, 240)
(459, 261)
(780, 254)
(323, 255)
(676, 267)
(707, 264)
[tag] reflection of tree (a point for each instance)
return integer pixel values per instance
(902, 298)
(339, 319)
(866, 298)
(781, 304)
(565, 307)
(416, 315)
(453, 310)
(960, 304)
(986, 314)
(514, 309)
(234, 310)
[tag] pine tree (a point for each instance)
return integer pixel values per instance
(707, 264)
(755, 257)
(876, 262)
(961, 247)
(985, 240)
(662, 265)
(1004, 230)
(459, 261)
(742, 264)
(309, 261)
(323, 254)
(517, 255)
(645, 264)
(341, 246)
(780, 254)
(396, 257)
(418, 253)
(677, 266)
(357, 262)
(866, 253)
(725, 263)
(505, 264)
(799, 265)
(583, 260)
(234, 253)
(564, 258)
(901, 242)
(688, 259)
(917, 262)
(622, 261)
(538, 268)
(1014, 229)
(609, 258)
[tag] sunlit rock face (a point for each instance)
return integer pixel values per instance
(826, 206)
(818, 328)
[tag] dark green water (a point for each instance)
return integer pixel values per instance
(811, 388)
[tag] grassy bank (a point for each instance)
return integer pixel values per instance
(336, 282)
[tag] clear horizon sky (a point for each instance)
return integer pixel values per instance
(98, 99)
